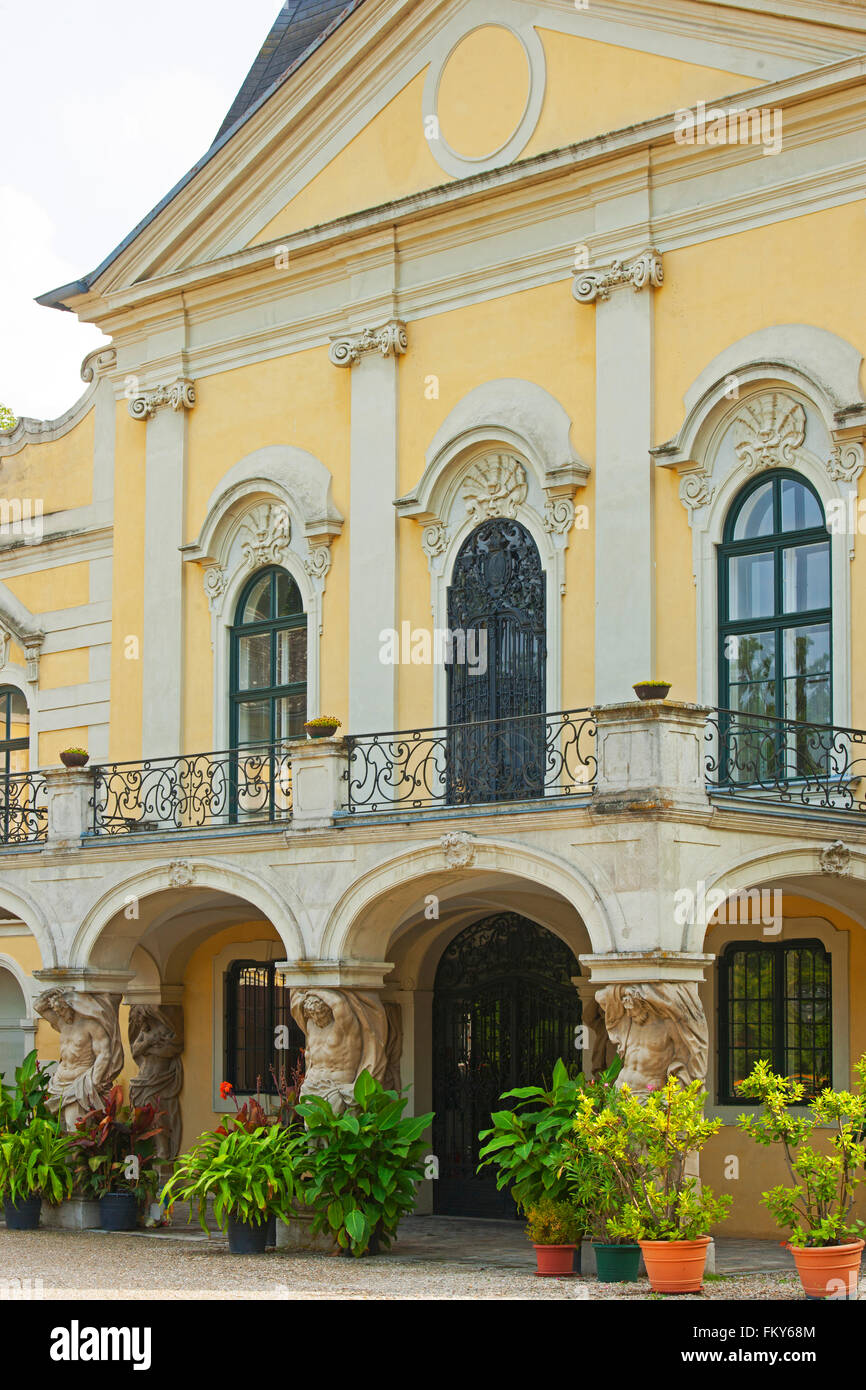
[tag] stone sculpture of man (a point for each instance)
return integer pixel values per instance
(91, 1050)
(347, 1033)
(157, 1046)
(660, 1030)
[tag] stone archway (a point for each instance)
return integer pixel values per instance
(504, 1010)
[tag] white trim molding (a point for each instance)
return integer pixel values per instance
(746, 414)
(274, 507)
(504, 450)
(456, 33)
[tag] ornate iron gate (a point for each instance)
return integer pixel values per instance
(498, 590)
(504, 1009)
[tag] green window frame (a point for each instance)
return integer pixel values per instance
(783, 569)
(268, 667)
(10, 697)
(775, 1004)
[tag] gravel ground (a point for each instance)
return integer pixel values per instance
(94, 1265)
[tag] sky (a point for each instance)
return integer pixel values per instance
(105, 104)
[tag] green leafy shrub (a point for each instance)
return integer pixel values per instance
(26, 1099)
(35, 1162)
(643, 1148)
(115, 1149)
(251, 1175)
(554, 1223)
(362, 1168)
(817, 1208)
(528, 1142)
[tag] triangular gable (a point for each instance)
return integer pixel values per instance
(345, 128)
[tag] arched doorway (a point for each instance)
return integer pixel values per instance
(496, 600)
(504, 1010)
(12, 1036)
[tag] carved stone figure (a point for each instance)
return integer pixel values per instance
(458, 849)
(495, 486)
(660, 1030)
(393, 1047)
(768, 431)
(835, 858)
(156, 1041)
(347, 1032)
(91, 1051)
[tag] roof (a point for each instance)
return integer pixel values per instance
(300, 26)
(299, 29)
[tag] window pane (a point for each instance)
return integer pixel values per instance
(257, 608)
(756, 515)
(750, 586)
(291, 656)
(254, 721)
(808, 1021)
(288, 596)
(254, 661)
(806, 577)
(751, 664)
(291, 713)
(751, 1020)
(800, 508)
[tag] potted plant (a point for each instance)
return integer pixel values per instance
(529, 1142)
(652, 690)
(363, 1166)
(116, 1159)
(74, 757)
(325, 726)
(595, 1189)
(826, 1240)
(250, 1174)
(556, 1230)
(34, 1166)
(645, 1147)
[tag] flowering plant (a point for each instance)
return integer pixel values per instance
(323, 721)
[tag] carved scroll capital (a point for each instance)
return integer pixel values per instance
(646, 270)
(391, 340)
(179, 396)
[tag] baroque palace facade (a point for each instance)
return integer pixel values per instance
(535, 324)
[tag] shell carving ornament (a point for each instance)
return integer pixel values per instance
(495, 486)
(768, 431)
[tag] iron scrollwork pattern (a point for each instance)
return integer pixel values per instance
(547, 755)
(505, 1009)
(762, 758)
(23, 809)
(194, 791)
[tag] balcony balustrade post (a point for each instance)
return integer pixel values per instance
(68, 794)
(318, 783)
(651, 755)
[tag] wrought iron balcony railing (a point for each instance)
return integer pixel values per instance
(501, 760)
(765, 760)
(239, 786)
(23, 809)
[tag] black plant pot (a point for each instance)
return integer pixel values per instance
(118, 1211)
(248, 1237)
(24, 1217)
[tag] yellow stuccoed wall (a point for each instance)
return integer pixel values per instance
(696, 317)
(759, 1168)
(554, 348)
(591, 87)
(60, 471)
(199, 1023)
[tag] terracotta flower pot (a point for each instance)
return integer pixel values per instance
(675, 1266)
(828, 1271)
(555, 1260)
(651, 690)
(69, 758)
(321, 730)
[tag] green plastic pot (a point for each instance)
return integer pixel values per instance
(616, 1264)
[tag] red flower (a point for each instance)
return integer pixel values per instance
(226, 1089)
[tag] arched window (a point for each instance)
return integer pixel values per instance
(775, 657)
(268, 661)
(775, 1005)
(496, 670)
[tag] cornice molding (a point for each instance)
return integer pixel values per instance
(644, 271)
(179, 396)
(391, 340)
